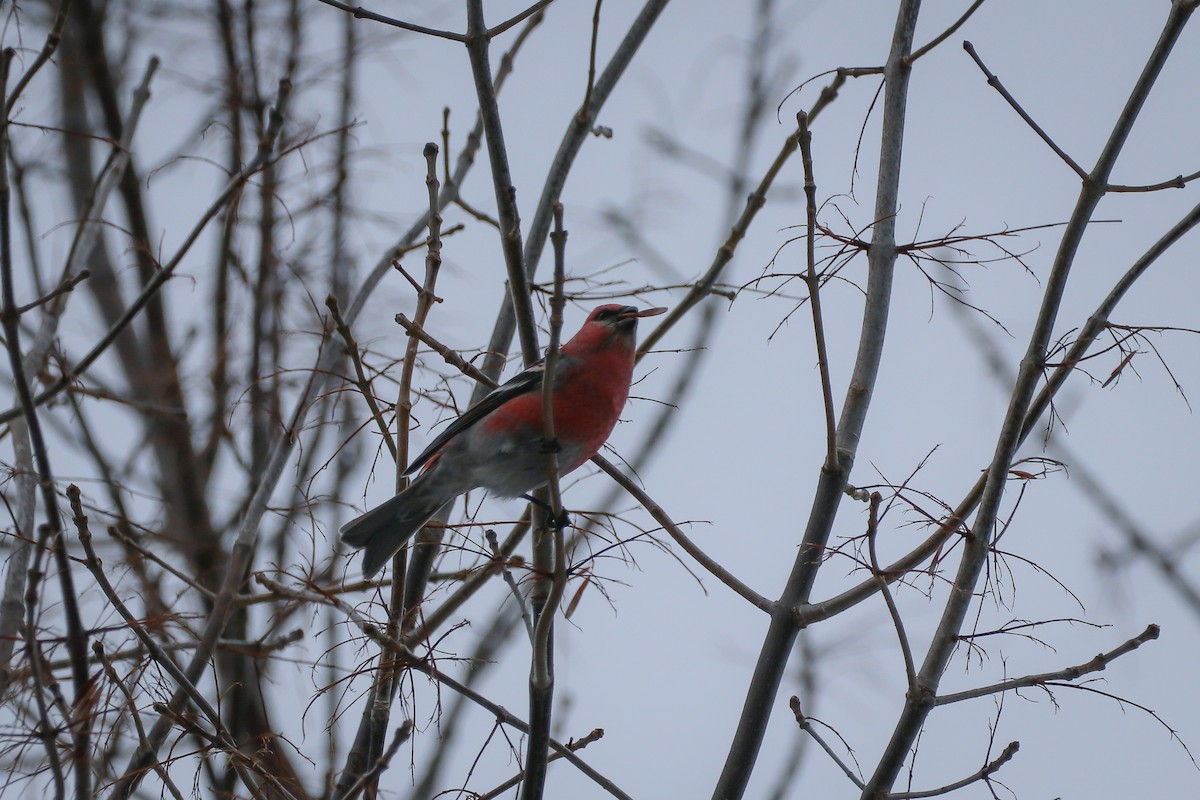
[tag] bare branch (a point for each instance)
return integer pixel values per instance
(660, 516)
(985, 772)
(995, 83)
(805, 723)
(358, 12)
(1097, 664)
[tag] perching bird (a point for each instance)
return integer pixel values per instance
(498, 443)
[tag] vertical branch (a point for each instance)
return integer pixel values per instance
(402, 603)
(978, 539)
(910, 670)
(77, 638)
(591, 82)
(425, 300)
(343, 263)
(241, 676)
(263, 322)
(549, 560)
(372, 731)
(781, 635)
(219, 372)
(157, 371)
(37, 666)
(557, 302)
(814, 289)
(502, 183)
(425, 546)
(17, 564)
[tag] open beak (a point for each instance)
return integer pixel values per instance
(633, 313)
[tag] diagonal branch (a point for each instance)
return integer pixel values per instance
(995, 83)
(781, 635)
(1097, 664)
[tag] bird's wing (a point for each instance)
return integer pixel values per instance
(529, 380)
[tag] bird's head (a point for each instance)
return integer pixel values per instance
(609, 327)
(620, 319)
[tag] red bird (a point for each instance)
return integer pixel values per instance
(497, 444)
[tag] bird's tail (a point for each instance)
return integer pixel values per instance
(383, 530)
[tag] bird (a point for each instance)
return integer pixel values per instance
(498, 444)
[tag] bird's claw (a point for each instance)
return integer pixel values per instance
(559, 522)
(551, 445)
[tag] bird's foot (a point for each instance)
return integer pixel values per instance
(551, 445)
(560, 522)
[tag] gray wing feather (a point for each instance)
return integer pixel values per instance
(529, 380)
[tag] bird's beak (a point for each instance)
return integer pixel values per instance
(632, 312)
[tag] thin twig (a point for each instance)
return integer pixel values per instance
(985, 772)
(573, 745)
(995, 83)
(702, 558)
(411, 579)
(806, 725)
(910, 671)
(946, 34)
(67, 285)
(433, 619)
(517, 19)
(591, 75)
(1178, 182)
(53, 38)
(449, 354)
(399, 737)
(361, 380)
(814, 289)
(1097, 664)
(106, 662)
(500, 559)
(358, 12)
